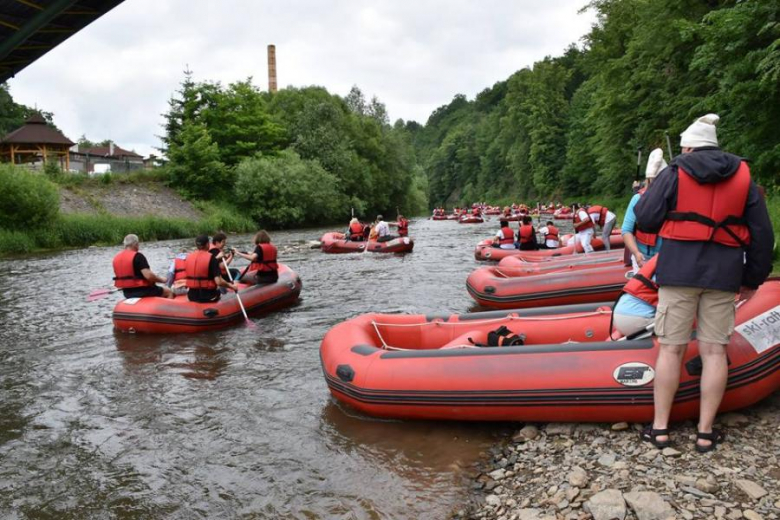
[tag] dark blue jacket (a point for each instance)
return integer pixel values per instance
(708, 265)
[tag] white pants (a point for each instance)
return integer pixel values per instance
(584, 238)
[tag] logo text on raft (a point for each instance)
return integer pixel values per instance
(755, 327)
(634, 374)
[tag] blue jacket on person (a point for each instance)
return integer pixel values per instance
(707, 265)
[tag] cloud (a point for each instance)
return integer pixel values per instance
(114, 78)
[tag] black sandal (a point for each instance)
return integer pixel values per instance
(648, 434)
(715, 438)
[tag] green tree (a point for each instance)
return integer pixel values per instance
(194, 164)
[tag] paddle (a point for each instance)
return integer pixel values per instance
(101, 293)
(238, 297)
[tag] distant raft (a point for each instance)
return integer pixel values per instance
(470, 219)
(492, 287)
(485, 250)
(337, 243)
(430, 367)
(164, 316)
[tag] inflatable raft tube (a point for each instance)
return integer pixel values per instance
(164, 316)
(484, 251)
(515, 266)
(491, 287)
(336, 243)
(424, 367)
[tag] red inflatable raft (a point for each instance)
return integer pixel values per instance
(514, 266)
(470, 219)
(335, 243)
(161, 315)
(491, 287)
(425, 367)
(486, 251)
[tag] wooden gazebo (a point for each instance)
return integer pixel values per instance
(36, 141)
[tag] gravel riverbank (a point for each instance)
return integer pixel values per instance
(603, 472)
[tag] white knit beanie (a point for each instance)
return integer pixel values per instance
(701, 132)
(655, 163)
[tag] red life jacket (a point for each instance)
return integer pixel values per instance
(475, 212)
(268, 263)
(587, 224)
(710, 212)
(179, 266)
(642, 285)
(552, 233)
(403, 227)
(356, 231)
(196, 267)
(526, 233)
(648, 239)
(602, 211)
(124, 274)
(507, 236)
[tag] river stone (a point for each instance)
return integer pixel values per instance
(578, 478)
(498, 474)
(619, 427)
(751, 489)
(528, 514)
(751, 515)
(670, 452)
(493, 500)
(527, 433)
(720, 511)
(706, 485)
(560, 428)
(607, 460)
(734, 514)
(733, 419)
(607, 505)
(649, 505)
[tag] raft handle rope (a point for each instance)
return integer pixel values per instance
(510, 318)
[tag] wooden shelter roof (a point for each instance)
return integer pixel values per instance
(31, 28)
(36, 131)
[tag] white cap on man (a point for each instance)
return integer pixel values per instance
(655, 163)
(701, 133)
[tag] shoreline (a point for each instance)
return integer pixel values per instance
(567, 471)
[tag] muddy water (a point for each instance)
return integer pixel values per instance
(230, 424)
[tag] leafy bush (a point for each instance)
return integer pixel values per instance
(194, 165)
(286, 190)
(27, 199)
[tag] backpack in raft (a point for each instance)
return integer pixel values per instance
(502, 337)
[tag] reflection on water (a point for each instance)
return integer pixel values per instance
(222, 424)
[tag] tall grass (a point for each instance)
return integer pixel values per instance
(82, 230)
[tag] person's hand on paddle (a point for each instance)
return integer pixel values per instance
(234, 286)
(640, 259)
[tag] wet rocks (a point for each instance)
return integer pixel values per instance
(564, 471)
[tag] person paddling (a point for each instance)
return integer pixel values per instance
(204, 277)
(355, 230)
(133, 275)
(526, 235)
(551, 236)
(403, 226)
(177, 278)
(264, 268)
(505, 238)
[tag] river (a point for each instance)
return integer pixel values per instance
(236, 423)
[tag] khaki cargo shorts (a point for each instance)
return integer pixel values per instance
(679, 306)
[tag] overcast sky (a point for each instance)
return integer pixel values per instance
(113, 79)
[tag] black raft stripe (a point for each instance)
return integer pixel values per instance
(762, 367)
(202, 322)
(597, 289)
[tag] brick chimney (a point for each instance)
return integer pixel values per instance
(272, 68)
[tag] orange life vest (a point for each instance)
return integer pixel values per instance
(179, 266)
(124, 274)
(602, 211)
(552, 233)
(648, 239)
(475, 212)
(356, 231)
(710, 212)
(403, 227)
(507, 236)
(642, 285)
(196, 268)
(585, 224)
(526, 233)
(268, 263)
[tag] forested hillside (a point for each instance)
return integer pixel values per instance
(571, 125)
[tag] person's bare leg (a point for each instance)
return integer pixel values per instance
(667, 380)
(713, 385)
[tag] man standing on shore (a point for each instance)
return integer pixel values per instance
(717, 242)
